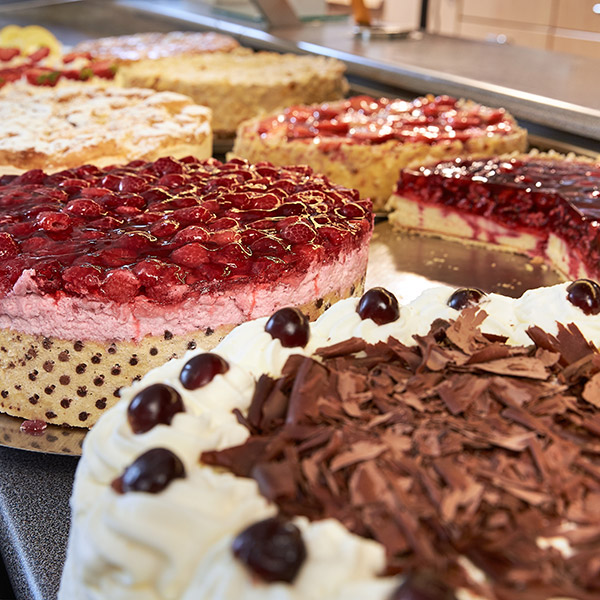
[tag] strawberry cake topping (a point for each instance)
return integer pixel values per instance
(365, 120)
(525, 194)
(171, 228)
(35, 67)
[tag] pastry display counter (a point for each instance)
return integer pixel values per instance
(551, 94)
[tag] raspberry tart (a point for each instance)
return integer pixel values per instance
(238, 86)
(347, 459)
(544, 205)
(363, 142)
(60, 128)
(105, 273)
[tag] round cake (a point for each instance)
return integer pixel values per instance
(105, 273)
(363, 142)
(61, 128)
(124, 49)
(442, 450)
(239, 86)
(546, 205)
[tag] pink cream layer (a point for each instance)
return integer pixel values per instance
(25, 310)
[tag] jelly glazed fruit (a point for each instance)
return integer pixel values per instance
(543, 205)
(445, 449)
(105, 273)
(362, 142)
(61, 128)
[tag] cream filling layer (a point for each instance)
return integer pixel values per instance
(24, 309)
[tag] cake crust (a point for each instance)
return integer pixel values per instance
(66, 382)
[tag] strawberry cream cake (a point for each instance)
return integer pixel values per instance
(441, 450)
(544, 205)
(60, 128)
(107, 272)
(363, 142)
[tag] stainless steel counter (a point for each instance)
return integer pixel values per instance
(550, 89)
(556, 96)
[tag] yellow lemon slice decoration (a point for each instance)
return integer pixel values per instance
(29, 39)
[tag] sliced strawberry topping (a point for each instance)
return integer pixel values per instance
(173, 228)
(7, 54)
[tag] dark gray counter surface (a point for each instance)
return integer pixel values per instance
(34, 519)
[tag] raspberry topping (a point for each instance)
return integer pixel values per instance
(528, 194)
(173, 228)
(273, 549)
(366, 120)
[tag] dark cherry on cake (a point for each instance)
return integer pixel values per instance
(545, 205)
(585, 294)
(464, 297)
(151, 472)
(380, 305)
(156, 404)
(290, 327)
(273, 549)
(201, 369)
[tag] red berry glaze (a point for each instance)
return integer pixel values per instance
(151, 472)
(379, 305)
(463, 297)
(173, 228)
(273, 549)
(585, 294)
(201, 369)
(289, 326)
(366, 120)
(156, 404)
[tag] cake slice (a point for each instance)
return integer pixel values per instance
(238, 86)
(363, 142)
(107, 272)
(543, 205)
(61, 128)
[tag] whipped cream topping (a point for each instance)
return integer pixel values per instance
(177, 543)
